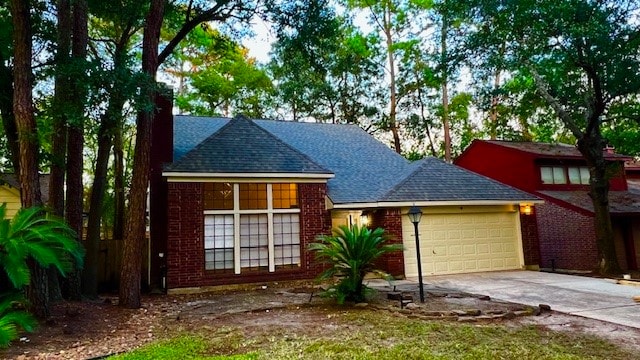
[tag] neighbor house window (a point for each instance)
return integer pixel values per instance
(553, 175)
(578, 175)
(575, 175)
(257, 224)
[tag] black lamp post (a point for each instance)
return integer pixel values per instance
(415, 215)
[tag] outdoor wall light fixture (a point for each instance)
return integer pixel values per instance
(364, 218)
(526, 209)
(415, 215)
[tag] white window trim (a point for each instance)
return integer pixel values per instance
(236, 212)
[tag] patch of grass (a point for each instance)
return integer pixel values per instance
(365, 334)
(184, 347)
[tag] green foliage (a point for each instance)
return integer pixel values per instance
(13, 317)
(351, 253)
(30, 235)
(624, 136)
(218, 76)
(33, 234)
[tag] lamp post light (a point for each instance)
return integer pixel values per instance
(415, 215)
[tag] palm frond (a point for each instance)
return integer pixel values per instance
(351, 253)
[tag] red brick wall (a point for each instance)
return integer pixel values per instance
(314, 220)
(530, 241)
(391, 221)
(567, 237)
(185, 248)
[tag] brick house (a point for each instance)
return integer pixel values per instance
(239, 200)
(564, 224)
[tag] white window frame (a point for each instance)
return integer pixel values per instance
(236, 212)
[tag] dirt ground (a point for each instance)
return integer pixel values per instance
(92, 329)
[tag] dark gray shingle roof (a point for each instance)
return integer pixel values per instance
(551, 150)
(365, 169)
(240, 146)
(620, 202)
(435, 180)
(189, 131)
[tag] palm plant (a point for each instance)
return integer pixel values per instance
(351, 253)
(31, 235)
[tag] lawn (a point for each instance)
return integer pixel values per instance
(370, 334)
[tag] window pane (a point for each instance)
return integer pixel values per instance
(285, 196)
(218, 242)
(559, 176)
(574, 175)
(286, 239)
(584, 175)
(218, 196)
(254, 241)
(253, 196)
(546, 174)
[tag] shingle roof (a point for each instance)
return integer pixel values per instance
(240, 146)
(550, 150)
(435, 180)
(365, 169)
(189, 131)
(620, 202)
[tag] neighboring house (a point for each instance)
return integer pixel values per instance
(10, 191)
(240, 200)
(564, 223)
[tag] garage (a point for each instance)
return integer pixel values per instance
(467, 239)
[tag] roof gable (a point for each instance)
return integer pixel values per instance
(436, 180)
(240, 146)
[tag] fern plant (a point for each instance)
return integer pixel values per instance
(350, 254)
(31, 234)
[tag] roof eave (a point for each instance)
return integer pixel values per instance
(427, 203)
(173, 176)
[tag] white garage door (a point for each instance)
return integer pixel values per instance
(461, 243)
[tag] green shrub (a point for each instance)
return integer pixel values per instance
(31, 234)
(351, 253)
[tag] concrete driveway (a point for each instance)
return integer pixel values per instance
(600, 299)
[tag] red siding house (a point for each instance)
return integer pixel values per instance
(564, 224)
(239, 200)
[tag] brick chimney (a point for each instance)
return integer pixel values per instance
(161, 153)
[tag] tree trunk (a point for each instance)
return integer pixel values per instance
(37, 291)
(75, 141)
(134, 239)
(493, 114)
(445, 87)
(6, 112)
(591, 146)
(393, 102)
(61, 102)
(118, 184)
(110, 120)
(62, 88)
